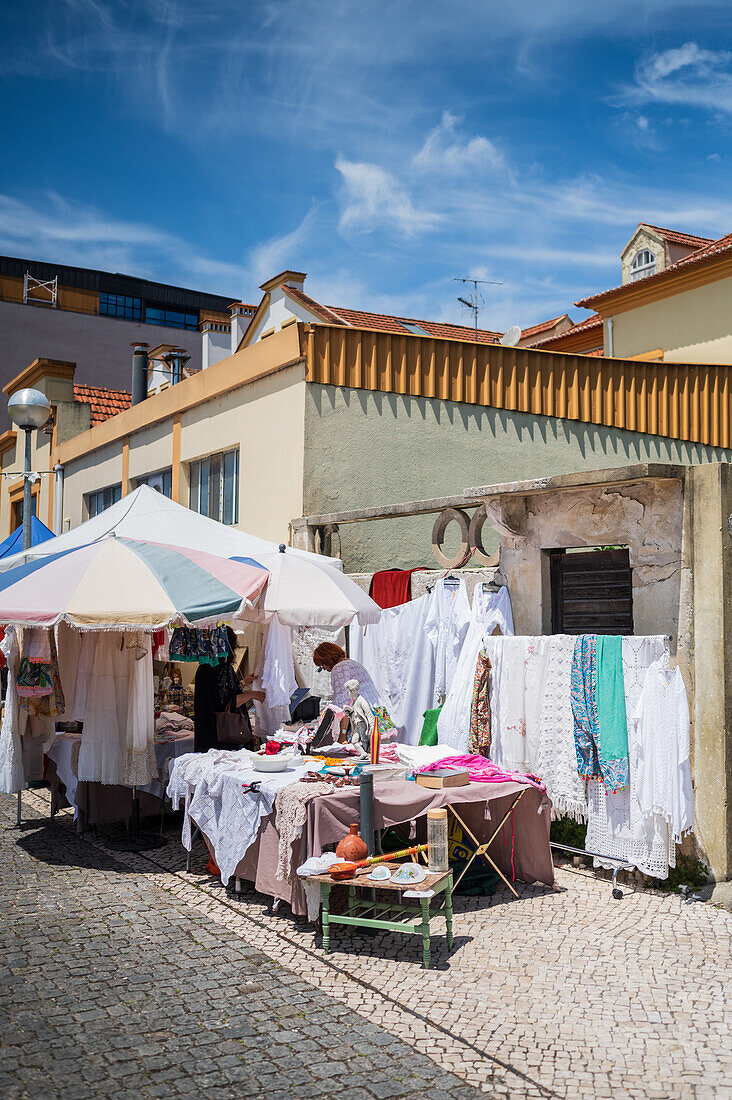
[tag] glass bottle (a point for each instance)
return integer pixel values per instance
(437, 841)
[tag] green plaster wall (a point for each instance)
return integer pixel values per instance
(364, 448)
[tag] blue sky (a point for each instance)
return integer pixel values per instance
(384, 148)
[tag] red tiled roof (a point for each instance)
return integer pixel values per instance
(595, 321)
(543, 327)
(104, 403)
(708, 253)
(676, 237)
(385, 322)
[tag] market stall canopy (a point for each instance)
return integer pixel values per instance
(318, 591)
(304, 592)
(120, 583)
(14, 542)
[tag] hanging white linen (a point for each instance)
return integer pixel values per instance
(85, 665)
(276, 677)
(139, 764)
(446, 626)
(508, 658)
(118, 742)
(615, 823)
(305, 640)
(663, 769)
(489, 610)
(12, 775)
(101, 756)
(401, 659)
(556, 756)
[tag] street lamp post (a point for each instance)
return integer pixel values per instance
(29, 410)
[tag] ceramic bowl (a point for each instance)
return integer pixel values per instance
(278, 763)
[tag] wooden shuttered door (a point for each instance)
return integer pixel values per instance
(592, 592)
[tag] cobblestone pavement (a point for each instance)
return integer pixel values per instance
(112, 987)
(568, 994)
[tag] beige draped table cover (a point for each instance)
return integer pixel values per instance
(397, 802)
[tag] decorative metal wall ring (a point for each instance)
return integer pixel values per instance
(442, 522)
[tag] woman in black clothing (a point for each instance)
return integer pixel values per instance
(217, 688)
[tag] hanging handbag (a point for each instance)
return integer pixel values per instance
(234, 729)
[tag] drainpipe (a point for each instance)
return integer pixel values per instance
(610, 349)
(58, 499)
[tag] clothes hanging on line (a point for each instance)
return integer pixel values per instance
(34, 676)
(202, 646)
(479, 738)
(617, 824)
(446, 625)
(508, 658)
(276, 677)
(598, 704)
(12, 775)
(490, 611)
(46, 703)
(555, 759)
(118, 741)
(401, 660)
(663, 769)
(392, 587)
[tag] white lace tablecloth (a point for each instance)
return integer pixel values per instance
(213, 789)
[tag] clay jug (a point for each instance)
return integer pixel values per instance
(352, 848)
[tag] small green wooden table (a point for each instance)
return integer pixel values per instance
(390, 915)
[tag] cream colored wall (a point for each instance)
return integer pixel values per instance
(97, 471)
(694, 326)
(264, 419)
(151, 450)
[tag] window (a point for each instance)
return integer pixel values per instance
(170, 318)
(643, 264)
(119, 305)
(162, 482)
(214, 486)
(592, 591)
(101, 499)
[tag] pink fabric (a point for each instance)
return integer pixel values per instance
(389, 755)
(481, 770)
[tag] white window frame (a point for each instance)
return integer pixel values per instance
(644, 264)
(198, 484)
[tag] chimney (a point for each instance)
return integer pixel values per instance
(139, 372)
(241, 316)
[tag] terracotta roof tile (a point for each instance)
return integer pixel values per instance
(708, 253)
(595, 321)
(677, 237)
(534, 330)
(386, 322)
(104, 403)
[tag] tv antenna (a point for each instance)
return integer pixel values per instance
(476, 303)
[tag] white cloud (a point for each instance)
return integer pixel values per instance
(446, 151)
(54, 229)
(687, 76)
(372, 198)
(280, 253)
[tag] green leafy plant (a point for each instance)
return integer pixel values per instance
(688, 871)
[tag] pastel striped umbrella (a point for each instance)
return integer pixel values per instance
(130, 584)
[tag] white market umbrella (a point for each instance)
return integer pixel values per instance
(310, 589)
(302, 592)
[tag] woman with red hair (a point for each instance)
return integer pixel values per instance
(331, 658)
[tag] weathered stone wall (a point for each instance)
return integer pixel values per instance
(647, 518)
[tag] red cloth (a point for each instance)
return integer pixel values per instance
(271, 748)
(392, 587)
